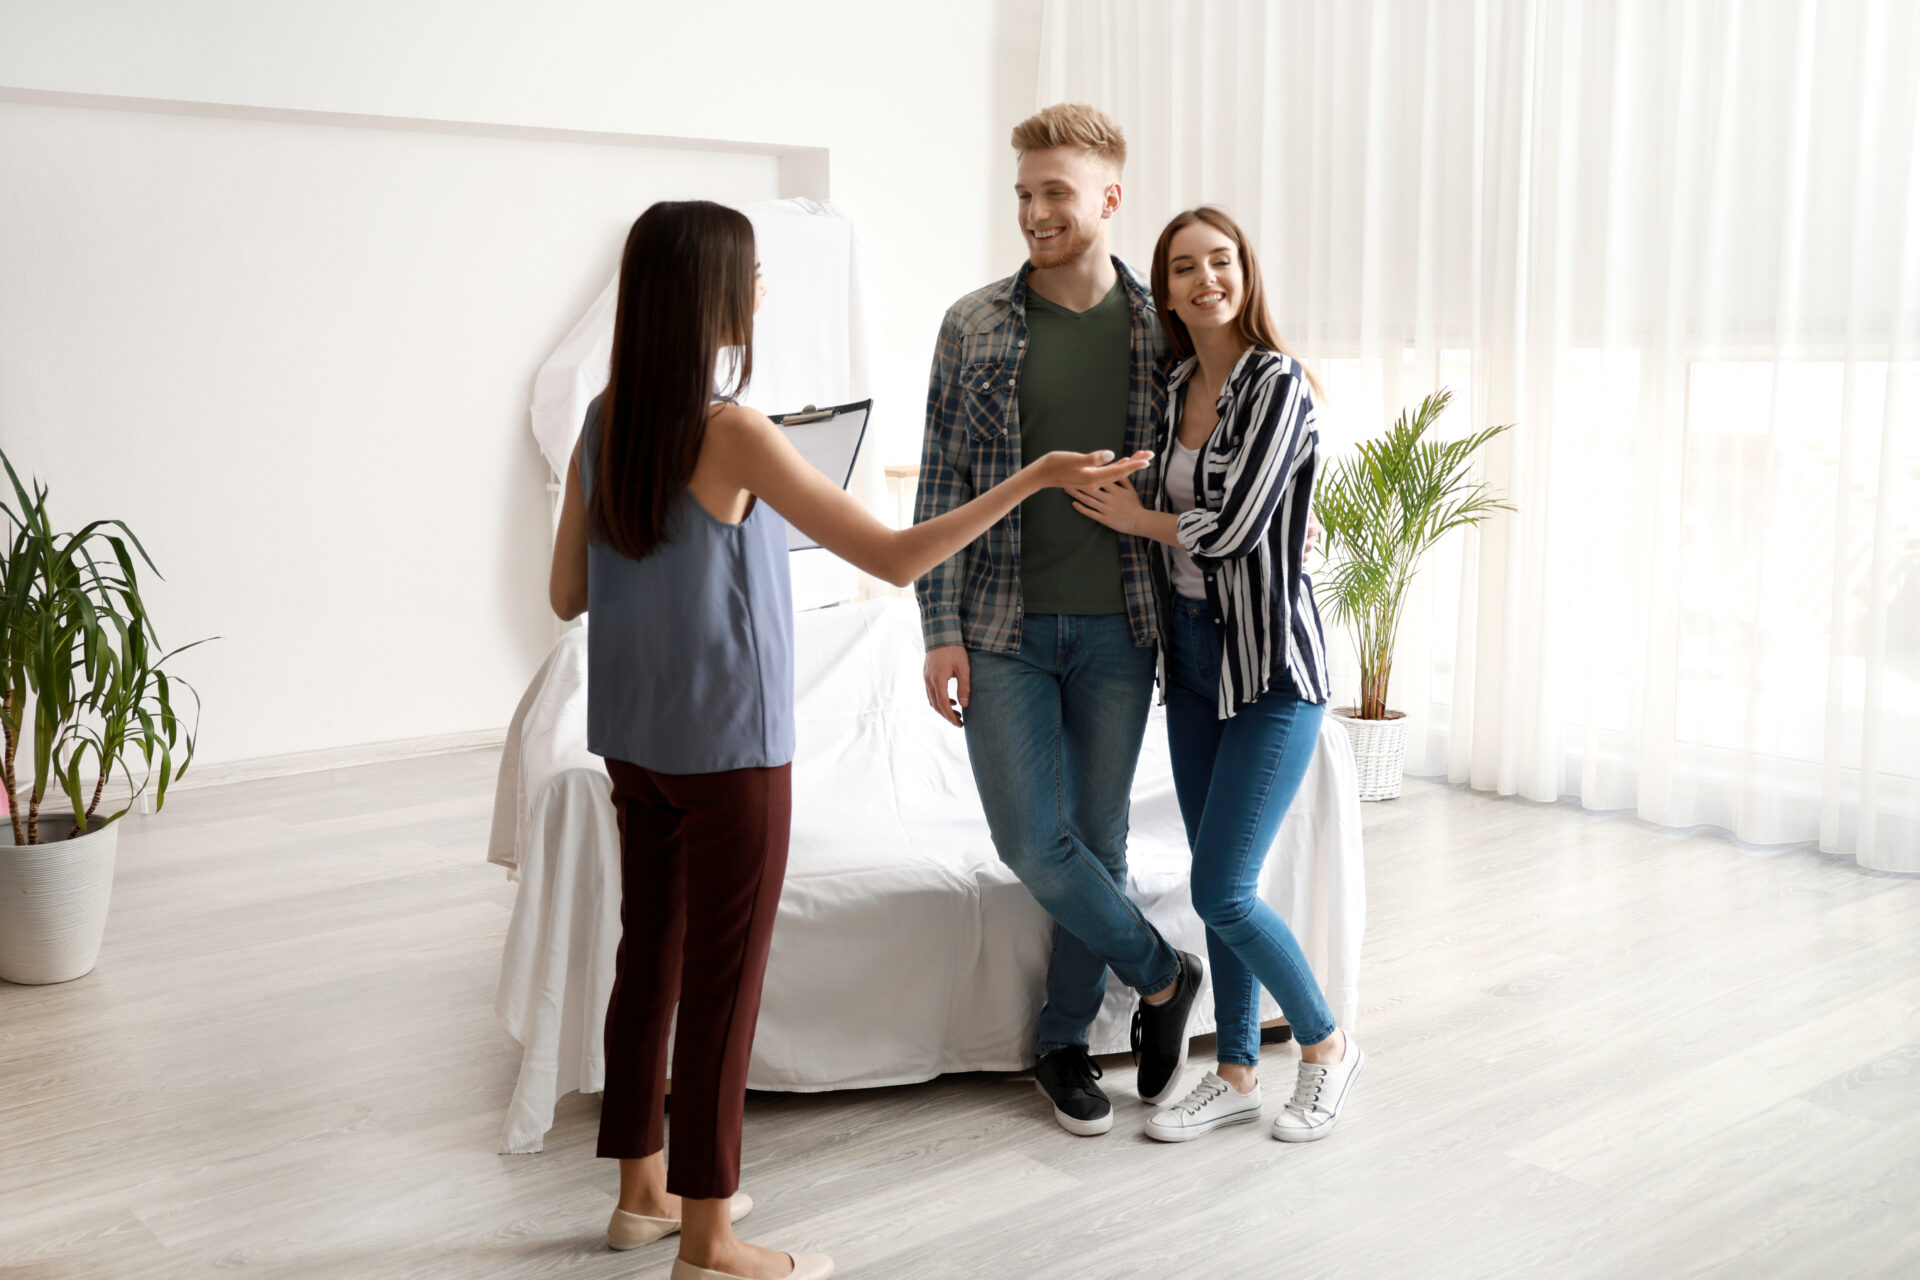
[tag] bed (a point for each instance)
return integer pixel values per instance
(903, 948)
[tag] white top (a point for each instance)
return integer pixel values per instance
(1188, 581)
(1255, 487)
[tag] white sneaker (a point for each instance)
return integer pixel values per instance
(1212, 1104)
(1318, 1096)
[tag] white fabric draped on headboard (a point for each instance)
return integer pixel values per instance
(809, 347)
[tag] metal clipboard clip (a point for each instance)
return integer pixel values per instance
(806, 415)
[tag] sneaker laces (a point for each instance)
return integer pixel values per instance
(1202, 1096)
(1306, 1090)
(1080, 1070)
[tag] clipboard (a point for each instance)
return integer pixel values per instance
(830, 439)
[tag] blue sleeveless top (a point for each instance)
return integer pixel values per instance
(690, 651)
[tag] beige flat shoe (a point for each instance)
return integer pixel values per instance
(631, 1230)
(806, 1266)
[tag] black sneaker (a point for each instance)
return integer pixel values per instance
(1067, 1077)
(1160, 1035)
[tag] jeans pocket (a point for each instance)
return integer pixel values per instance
(1195, 658)
(1206, 649)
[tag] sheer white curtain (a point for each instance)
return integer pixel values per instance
(1678, 243)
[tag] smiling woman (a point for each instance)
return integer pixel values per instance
(1243, 660)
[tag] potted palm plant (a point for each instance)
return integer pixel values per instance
(82, 693)
(1382, 511)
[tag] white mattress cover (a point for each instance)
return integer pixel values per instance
(903, 947)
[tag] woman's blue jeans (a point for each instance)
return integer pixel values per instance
(1235, 779)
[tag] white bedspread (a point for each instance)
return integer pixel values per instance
(903, 948)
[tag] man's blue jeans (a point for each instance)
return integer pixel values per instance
(1235, 779)
(1054, 734)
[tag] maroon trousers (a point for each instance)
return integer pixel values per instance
(702, 858)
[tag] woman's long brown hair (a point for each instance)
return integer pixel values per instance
(1254, 325)
(686, 291)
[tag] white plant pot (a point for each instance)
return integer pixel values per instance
(1379, 751)
(53, 900)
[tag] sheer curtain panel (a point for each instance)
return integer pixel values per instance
(1678, 243)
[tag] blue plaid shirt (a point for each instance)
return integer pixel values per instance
(973, 443)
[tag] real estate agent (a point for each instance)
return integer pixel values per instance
(672, 536)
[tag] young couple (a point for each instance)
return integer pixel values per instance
(1043, 637)
(671, 534)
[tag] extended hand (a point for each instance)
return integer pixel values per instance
(1062, 470)
(1115, 505)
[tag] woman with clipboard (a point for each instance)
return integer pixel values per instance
(672, 534)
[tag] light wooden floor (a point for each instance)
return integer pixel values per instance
(1598, 1049)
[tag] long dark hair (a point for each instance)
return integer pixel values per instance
(686, 291)
(1253, 326)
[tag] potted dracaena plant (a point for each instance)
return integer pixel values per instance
(82, 693)
(1382, 510)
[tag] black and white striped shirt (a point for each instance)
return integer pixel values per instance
(1254, 491)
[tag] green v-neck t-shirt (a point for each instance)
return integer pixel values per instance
(1073, 396)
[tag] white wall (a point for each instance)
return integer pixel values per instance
(372, 545)
(295, 360)
(913, 101)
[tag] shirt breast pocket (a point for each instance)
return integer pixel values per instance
(986, 387)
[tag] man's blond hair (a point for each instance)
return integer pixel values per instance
(1073, 124)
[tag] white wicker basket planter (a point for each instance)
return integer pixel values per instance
(1379, 749)
(53, 901)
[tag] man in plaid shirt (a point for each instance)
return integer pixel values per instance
(1045, 628)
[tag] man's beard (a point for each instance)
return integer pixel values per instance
(1072, 241)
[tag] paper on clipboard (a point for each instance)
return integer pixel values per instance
(830, 439)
